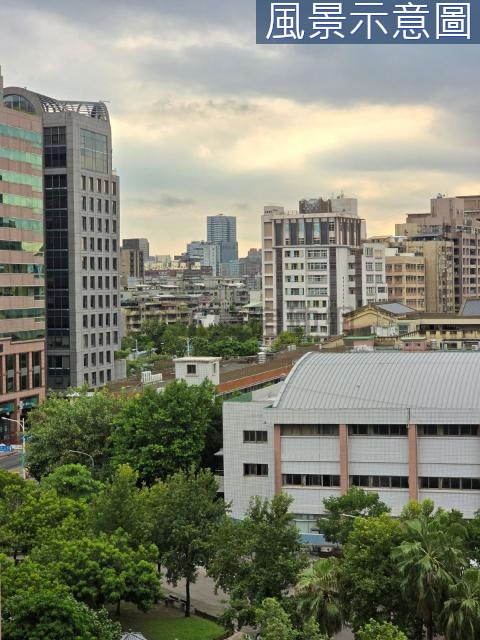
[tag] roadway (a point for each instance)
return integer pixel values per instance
(10, 461)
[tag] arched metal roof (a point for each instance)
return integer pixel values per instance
(92, 109)
(389, 380)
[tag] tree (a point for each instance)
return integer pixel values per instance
(122, 505)
(429, 561)
(342, 511)
(275, 624)
(374, 630)
(72, 481)
(29, 515)
(54, 615)
(461, 612)
(187, 513)
(369, 580)
(60, 425)
(258, 557)
(102, 570)
(317, 591)
(159, 433)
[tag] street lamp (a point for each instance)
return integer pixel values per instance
(82, 453)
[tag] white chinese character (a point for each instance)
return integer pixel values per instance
(327, 17)
(453, 20)
(368, 16)
(285, 21)
(411, 22)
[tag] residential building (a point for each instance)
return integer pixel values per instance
(454, 219)
(374, 287)
(223, 231)
(82, 212)
(132, 266)
(140, 244)
(404, 425)
(406, 278)
(22, 273)
(313, 266)
(439, 272)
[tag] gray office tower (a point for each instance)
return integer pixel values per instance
(138, 244)
(81, 196)
(223, 231)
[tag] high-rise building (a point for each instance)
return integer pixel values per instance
(223, 231)
(312, 271)
(82, 210)
(22, 276)
(140, 244)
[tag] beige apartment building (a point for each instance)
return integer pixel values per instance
(439, 270)
(456, 219)
(405, 278)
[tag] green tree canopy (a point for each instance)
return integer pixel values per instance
(159, 433)
(62, 425)
(461, 612)
(72, 481)
(342, 511)
(374, 630)
(258, 557)
(187, 513)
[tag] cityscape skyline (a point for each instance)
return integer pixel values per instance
(270, 124)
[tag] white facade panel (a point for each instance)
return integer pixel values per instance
(449, 470)
(395, 498)
(308, 500)
(329, 468)
(368, 468)
(239, 489)
(449, 450)
(306, 448)
(388, 449)
(468, 502)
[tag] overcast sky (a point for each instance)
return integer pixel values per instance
(205, 121)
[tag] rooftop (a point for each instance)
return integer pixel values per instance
(433, 385)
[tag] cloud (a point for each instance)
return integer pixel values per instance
(204, 120)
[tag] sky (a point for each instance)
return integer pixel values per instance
(205, 121)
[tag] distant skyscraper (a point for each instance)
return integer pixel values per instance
(22, 277)
(82, 239)
(140, 244)
(223, 230)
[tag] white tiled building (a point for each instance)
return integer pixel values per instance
(405, 425)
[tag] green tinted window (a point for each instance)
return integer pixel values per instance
(13, 314)
(35, 204)
(21, 178)
(37, 334)
(34, 159)
(16, 245)
(36, 269)
(14, 132)
(20, 223)
(93, 149)
(37, 292)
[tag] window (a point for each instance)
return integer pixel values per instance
(468, 484)
(255, 436)
(191, 369)
(99, 205)
(377, 430)
(448, 430)
(253, 469)
(105, 186)
(99, 224)
(399, 482)
(85, 282)
(310, 480)
(84, 183)
(99, 185)
(91, 204)
(90, 184)
(93, 152)
(84, 203)
(309, 430)
(106, 206)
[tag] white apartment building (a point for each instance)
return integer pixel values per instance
(405, 425)
(315, 270)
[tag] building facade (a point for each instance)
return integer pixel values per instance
(314, 271)
(22, 271)
(405, 425)
(82, 211)
(132, 266)
(223, 231)
(406, 278)
(139, 244)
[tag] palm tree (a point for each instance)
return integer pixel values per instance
(317, 594)
(461, 612)
(429, 561)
